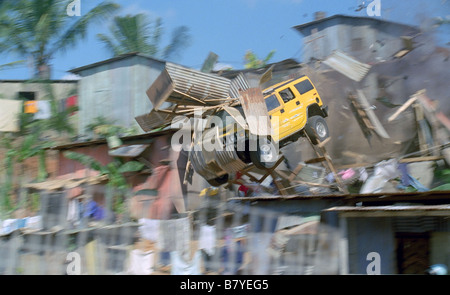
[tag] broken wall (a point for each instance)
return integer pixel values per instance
(387, 86)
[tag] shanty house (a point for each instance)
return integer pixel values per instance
(115, 89)
(407, 232)
(365, 38)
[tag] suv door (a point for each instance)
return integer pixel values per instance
(274, 106)
(293, 115)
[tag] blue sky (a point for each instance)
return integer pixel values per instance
(230, 28)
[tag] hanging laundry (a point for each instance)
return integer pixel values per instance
(30, 107)
(140, 262)
(363, 175)
(182, 267)
(9, 115)
(73, 211)
(34, 222)
(347, 174)
(44, 110)
(94, 211)
(149, 229)
(383, 172)
(174, 235)
(207, 239)
(71, 101)
(408, 180)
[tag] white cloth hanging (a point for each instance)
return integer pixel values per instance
(44, 110)
(149, 229)
(140, 262)
(207, 239)
(182, 267)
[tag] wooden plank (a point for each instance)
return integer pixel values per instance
(421, 159)
(378, 127)
(189, 96)
(420, 132)
(407, 104)
(321, 152)
(296, 172)
(323, 143)
(315, 160)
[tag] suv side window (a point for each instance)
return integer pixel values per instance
(286, 94)
(272, 102)
(304, 86)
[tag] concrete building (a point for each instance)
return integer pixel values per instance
(367, 39)
(35, 90)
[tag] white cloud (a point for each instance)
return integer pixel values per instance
(222, 66)
(70, 76)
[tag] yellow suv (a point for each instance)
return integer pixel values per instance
(293, 106)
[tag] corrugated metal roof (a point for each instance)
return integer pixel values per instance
(116, 58)
(347, 65)
(301, 27)
(198, 84)
(392, 210)
(238, 83)
(125, 140)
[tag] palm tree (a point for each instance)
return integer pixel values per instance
(38, 29)
(136, 33)
(253, 62)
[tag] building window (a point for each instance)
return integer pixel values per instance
(357, 44)
(26, 95)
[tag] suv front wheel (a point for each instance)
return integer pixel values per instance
(317, 129)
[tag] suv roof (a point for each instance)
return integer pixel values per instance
(272, 88)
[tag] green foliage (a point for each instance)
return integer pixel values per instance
(253, 62)
(38, 29)
(105, 127)
(136, 33)
(443, 176)
(114, 170)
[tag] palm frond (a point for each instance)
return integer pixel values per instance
(109, 44)
(180, 39)
(78, 30)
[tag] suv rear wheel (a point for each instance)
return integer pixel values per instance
(266, 154)
(317, 129)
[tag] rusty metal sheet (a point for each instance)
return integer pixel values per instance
(237, 116)
(347, 65)
(185, 86)
(239, 83)
(255, 111)
(266, 76)
(203, 86)
(155, 119)
(160, 89)
(128, 151)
